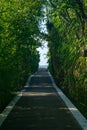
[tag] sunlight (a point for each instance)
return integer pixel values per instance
(41, 94)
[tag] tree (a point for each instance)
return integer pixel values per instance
(67, 30)
(18, 42)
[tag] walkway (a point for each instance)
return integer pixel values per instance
(40, 108)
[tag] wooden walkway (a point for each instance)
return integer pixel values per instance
(40, 108)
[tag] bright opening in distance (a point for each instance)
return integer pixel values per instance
(43, 55)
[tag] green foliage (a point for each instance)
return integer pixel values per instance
(67, 34)
(18, 42)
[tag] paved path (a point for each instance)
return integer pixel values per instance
(40, 108)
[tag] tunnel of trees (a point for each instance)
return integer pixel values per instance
(67, 42)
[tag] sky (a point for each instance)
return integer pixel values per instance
(43, 54)
(43, 51)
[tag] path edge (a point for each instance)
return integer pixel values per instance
(75, 112)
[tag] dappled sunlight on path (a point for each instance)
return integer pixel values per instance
(40, 108)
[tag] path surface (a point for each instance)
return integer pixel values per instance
(40, 108)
